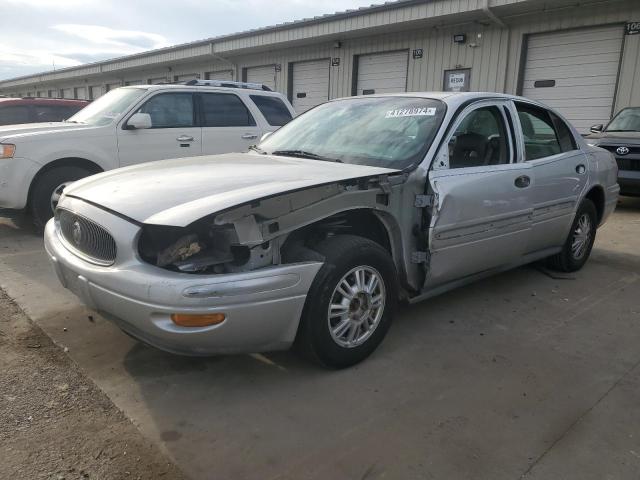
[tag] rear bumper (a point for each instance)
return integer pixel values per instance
(262, 307)
(629, 181)
(16, 175)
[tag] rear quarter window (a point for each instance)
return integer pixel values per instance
(13, 114)
(274, 110)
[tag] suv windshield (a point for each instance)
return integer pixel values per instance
(392, 132)
(109, 106)
(628, 120)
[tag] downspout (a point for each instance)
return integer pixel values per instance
(492, 16)
(233, 66)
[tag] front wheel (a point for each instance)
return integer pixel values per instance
(577, 247)
(49, 187)
(350, 304)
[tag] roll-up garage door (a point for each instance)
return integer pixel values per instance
(225, 75)
(265, 75)
(186, 77)
(310, 84)
(575, 72)
(382, 73)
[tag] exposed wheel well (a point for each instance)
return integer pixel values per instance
(596, 195)
(63, 162)
(361, 222)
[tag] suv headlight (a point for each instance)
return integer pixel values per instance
(7, 150)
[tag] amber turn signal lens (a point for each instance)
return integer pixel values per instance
(204, 320)
(7, 150)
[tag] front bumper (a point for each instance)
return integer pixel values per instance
(629, 181)
(16, 175)
(262, 307)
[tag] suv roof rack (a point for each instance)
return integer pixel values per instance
(225, 83)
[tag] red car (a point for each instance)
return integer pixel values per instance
(34, 110)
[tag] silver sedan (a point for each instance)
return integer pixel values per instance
(314, 236)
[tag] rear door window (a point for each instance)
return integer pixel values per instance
(224, 110)
(274, 110)
(540, 136)
(12, 114)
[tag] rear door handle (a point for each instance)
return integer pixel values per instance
(581, 169)
(184, 138)
(522, 181)
(250, 136)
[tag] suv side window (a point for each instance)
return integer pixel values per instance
(273, 109)
(224, 110)
(12, 114)
(170, 110)
(50, 113)
(481, 139)
(540, 136)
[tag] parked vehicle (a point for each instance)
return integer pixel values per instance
(622, 138)
(38, 110)
(132, 125)
(314, 236)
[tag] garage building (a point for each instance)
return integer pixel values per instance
(581, 57)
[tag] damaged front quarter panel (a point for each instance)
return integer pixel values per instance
(257, 234)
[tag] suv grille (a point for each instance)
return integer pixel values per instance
(628, 164)
(86, 238)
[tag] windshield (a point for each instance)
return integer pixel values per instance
(109, 106)
(391, 132)
(628, 120)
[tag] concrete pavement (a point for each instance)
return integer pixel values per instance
(519, 375)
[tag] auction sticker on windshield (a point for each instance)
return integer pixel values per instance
(411, 112)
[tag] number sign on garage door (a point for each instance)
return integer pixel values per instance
(382, 73)
(575, 72)
(310, 84)
(265, 75)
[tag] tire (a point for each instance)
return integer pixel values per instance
(46, 185)
(572, 259)
(345, 257)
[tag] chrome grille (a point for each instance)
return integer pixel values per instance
(86, 238)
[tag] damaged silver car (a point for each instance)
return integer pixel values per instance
(314, 236)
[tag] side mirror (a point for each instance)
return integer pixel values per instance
(139, 121)
(597, 128)
(265, 136)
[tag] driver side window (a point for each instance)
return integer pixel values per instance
(480, 140)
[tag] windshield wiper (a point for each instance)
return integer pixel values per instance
(304, 154)
(621, 131)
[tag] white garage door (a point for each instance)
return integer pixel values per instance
(382, 73)
(225, 75)
(575, 72)
(310, 84)
(185, 77)
(265, 75)
(80, 93)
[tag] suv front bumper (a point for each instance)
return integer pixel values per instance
(16, 175)
(262, 307)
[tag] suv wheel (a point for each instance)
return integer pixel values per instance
(350, 304)
(48, 189)
(579, 243)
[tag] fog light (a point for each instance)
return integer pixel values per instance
(204, 320)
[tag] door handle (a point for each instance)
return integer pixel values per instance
(522, 181)
(581, 169)
(250, 136)
(184, 138)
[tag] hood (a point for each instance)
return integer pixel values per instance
(616, 138)
(180, 191)
(7, 131)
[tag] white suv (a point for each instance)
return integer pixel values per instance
(132, 125)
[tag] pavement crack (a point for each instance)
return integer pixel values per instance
(579, 419)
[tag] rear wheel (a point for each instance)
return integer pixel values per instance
(577, 248)
(350, 304)
(48, 189)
